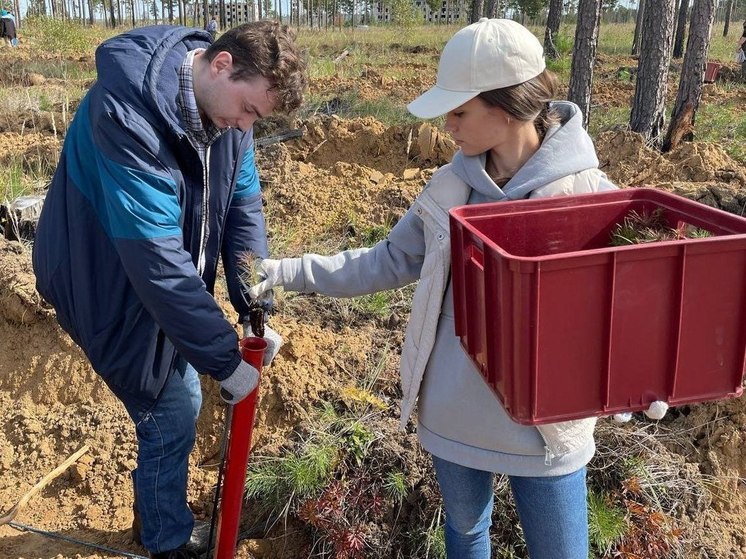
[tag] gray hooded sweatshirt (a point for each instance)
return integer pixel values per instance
(460, 418)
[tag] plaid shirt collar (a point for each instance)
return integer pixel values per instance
(200, 135)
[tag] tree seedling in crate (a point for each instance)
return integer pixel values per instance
(649, 227)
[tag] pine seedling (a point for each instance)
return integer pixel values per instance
(649, 227)
(248, 270)
(395, 487)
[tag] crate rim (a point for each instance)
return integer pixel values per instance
(615, 196)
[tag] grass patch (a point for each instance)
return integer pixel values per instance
(348, 104)
(435, 537)
(12, 179)
(606, 118)
(21, 176)
(723, 123)
(62, 37)
(606, 524)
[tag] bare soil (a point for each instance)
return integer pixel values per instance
(340, 178)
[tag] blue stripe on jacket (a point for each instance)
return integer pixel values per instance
(247, 183)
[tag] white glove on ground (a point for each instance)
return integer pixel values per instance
(656, 410)
(269, 270)
(239, 384)
(273, 339)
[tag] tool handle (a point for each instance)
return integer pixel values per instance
(237, 456)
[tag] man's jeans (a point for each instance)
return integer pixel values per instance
(553, 512)
(165, 434)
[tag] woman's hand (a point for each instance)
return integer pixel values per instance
(269, 272)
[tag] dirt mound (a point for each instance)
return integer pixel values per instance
(366, 141)
(628, 161)
(37, 153)
(346, 177)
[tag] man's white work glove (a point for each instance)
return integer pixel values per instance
(656, 410)
(272, 338)
(269, 272)
(239, 384)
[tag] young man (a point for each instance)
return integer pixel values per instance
(156, 180)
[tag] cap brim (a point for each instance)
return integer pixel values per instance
(437, 101)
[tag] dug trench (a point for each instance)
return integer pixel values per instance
(340, 184)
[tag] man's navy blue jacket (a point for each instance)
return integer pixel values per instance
(128, 217)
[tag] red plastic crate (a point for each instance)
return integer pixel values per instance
(563, 326)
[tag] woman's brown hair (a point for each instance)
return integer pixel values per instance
(528, 101)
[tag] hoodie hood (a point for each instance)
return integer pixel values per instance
(567, 149)
(141, 66)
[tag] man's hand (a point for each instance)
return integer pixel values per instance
(656, 410)
(273, 339)
(269, 271)
(239, 384)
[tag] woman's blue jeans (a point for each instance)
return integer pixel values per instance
(552, 510)
(165, 433)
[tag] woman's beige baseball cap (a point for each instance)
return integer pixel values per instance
(486, 55)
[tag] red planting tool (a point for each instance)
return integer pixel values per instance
(239, 427)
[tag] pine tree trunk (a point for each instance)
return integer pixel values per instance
(477, 7)
(490, 9)
(554, 17)
(111, 13)
(638, 27)
(584, 55)
(689, 94)
(678, 45)
(648, 109)
(728, 14)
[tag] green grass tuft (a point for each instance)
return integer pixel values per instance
(606, 524)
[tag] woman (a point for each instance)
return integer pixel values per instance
(494, 88)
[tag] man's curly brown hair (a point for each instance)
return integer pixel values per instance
(266, 48)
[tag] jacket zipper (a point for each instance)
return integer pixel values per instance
(205, 209)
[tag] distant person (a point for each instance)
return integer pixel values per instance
(212, 27)
(515, 142)
(741, 52)
(157, 182)
(8, 28)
